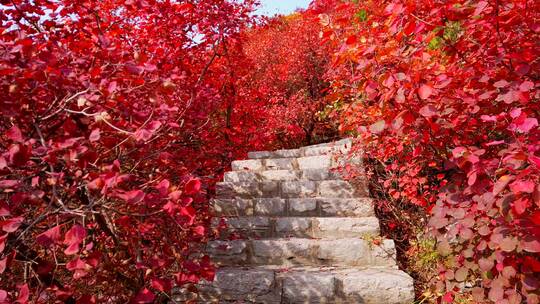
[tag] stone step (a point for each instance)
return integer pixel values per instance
(282, 175)
(317, 207)
(300, 163)
(306, 285)
(303, 252)
(291, 189)
(342, 146)
(307, 227)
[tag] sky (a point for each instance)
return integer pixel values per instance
(272, 7)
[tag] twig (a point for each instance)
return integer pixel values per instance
(64, 102)
(422, 20)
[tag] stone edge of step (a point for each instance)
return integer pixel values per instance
(343, 145)
(339, 285)
(303, 251)
(308, 227)
(294, 207)
(292, 189)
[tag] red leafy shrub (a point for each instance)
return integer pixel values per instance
(444, 96)
(287, 61)
(104, 142)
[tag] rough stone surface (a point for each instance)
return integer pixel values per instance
(280, 164)
(317, 174)
(342, 146)
(306, 287)
(240, 176)
(298, 189)
(302, 206)
(270, 206)
(233, 207)
(293, 225)
(253, 226)
(250, 164)
(238, 190)
(306, 227)
(336, 188)
(287, 153)
(279, 175)
(256, 285)
(355, 252)
(270, 188)
(347, 227)
(374, 286)
(297, 232)
(282, 251)
(315, 162)
(228, 252)
(354, 207)
(260, 154)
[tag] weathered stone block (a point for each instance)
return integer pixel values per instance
(384, 254)
(355, 252)
(280, 163)
(250, 226)
(280, 175)
(270, 206)
(228, 252)
(316, 174)
(356, 207)
(241, 176)
(302, 206)
(346, 226)
(233, 207)
(317, 150)
(294, 226)
(375, 286)
(253, 285)
(247, 189)
(242, 189)
(294, 153)
(259, 154)
(315, 162)
(298, 189)
(336, 188)
(269, 188)
(308, 287)
(282, 251)
(249, 164)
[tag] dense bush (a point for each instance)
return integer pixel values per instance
(104, 143)
(286, 80)
(444, 96)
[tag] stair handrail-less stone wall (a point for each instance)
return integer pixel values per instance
(305, 234)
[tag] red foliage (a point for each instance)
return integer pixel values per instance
(286, 80)
(104, 142)
(445, 95)
(117, 116)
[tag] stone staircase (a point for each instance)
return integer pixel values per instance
(298, 233)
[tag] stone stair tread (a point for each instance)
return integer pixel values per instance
(267, 284)
(314, 206)
(282, 175)
(343, 145)
(327, 161)
(303, 251)
(307, 227)
(290, 189)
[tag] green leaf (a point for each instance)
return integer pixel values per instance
(362, 15)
